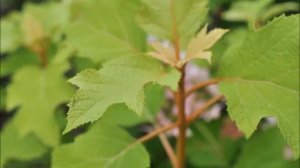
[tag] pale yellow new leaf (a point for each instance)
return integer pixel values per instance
(165, 54)
(198, 46)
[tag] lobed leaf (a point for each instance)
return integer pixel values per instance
(261, 78)
(37, 92)
(119, 81)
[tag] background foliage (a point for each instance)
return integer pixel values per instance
(72, 38)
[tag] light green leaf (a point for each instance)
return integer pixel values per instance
(63, 54)
(43, 22)
(15, 147)
(104, 145)
(261, 78)
(36, 24)
(10, 33)
(106, 29)
(37, 92)
(121, 80)
(265, 150)
(156, 17)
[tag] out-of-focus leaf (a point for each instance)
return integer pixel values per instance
(11, 36)
(51, 16)
(37, 92)
(80, 63)
(34, 26)
(247, 10)
(13, 146)
(16, 60)
(233, 38)
(2, 97)
(104, 145)
(63, 54)
(265, 150)
(106, 29)
(278, 9)
(207, 148)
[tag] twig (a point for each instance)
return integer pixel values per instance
(189, 119)
(180, 96)
(201, 85)
(168, 148)
(156, 132)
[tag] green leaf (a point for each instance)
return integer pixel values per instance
(15, 147)
(247, 10)
(122, 115)
(264, 150)
(231, 39)
(154, 99)
(38, 92)
(119, 81)
(278, 9)
(155, 17)
(207, 148)
(2, 97)
(80, 63)
(16, 60)
(109, 30)
(261, 78)
(104, 145)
